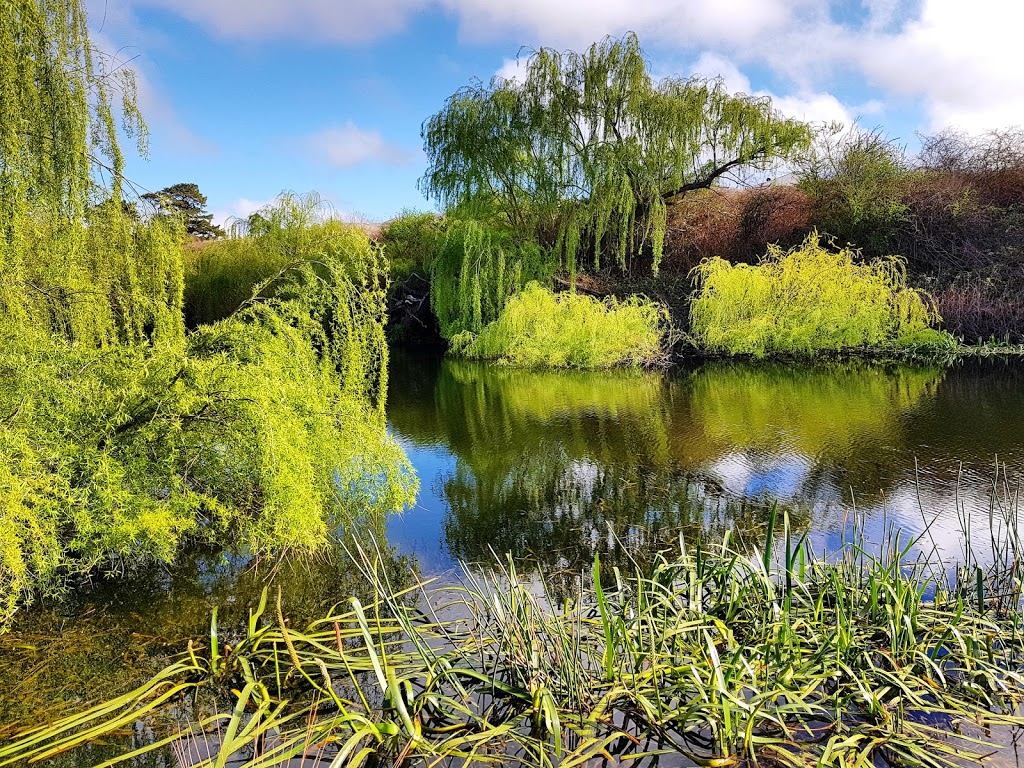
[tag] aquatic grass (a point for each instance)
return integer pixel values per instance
(722, 654)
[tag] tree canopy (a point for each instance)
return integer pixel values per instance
(589, 145)
(186, 201)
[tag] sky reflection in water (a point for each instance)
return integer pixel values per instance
(542, 463)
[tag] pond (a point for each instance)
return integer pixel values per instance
(547, 464)
(555, 466)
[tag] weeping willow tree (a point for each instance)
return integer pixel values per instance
(123, 436)
(477, 269)
(74, 263)
(587, 149)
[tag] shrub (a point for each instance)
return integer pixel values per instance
(544, 329)
(806, 300)
(856, 183)
(221, 276)
(411, 240)
(738, 224)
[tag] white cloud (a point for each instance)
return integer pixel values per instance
(237, 210)
(350, 145)
(961, 61)
(578, 22)
(715, 65)
(814, 108)
(512, 69)
(964, 59)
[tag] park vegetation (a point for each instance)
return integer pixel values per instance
(125, 435)
(538, 328)
(584, 162)
(575, 163)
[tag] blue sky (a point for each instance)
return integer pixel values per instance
(248, 98)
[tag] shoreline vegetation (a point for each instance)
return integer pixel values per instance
(714, 652)
(159, 393)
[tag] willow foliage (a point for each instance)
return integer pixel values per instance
(538, 328)
(123, 436)
(476, 270)
(585, 150)
(809, 299)
(74, 263)
(265, 429)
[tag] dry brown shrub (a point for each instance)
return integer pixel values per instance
(977, 308)
(735, 224)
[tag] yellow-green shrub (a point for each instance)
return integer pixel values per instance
(540, 328)
(809, 299)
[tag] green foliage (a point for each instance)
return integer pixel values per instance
(266, 429)
(713, 654)
(477, 269)
(220, 276)
(569, 330)
(124, 437)
(185, 201)
(587, 148)
(856, 184)
(58, 133)
(411, 240)
(807, 300)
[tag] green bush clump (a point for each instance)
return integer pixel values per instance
(220, 275)
(810, 299)
(411, 240)
(539, 328)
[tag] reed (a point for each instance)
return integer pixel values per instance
(720, 654)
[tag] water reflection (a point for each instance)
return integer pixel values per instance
(546, 463)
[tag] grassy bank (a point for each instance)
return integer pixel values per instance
(712, 652)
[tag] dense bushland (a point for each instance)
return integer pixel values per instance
(737, 224)
(954, 213)
(809, 299)
(538, 328)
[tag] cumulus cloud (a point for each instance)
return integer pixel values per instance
(238, 209)
(963, 59)
(349, 145)
(578, 22)
(960, 60)
(512, 69)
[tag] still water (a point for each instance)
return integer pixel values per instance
(554, 466)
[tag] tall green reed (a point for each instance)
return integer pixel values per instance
(713, 651)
